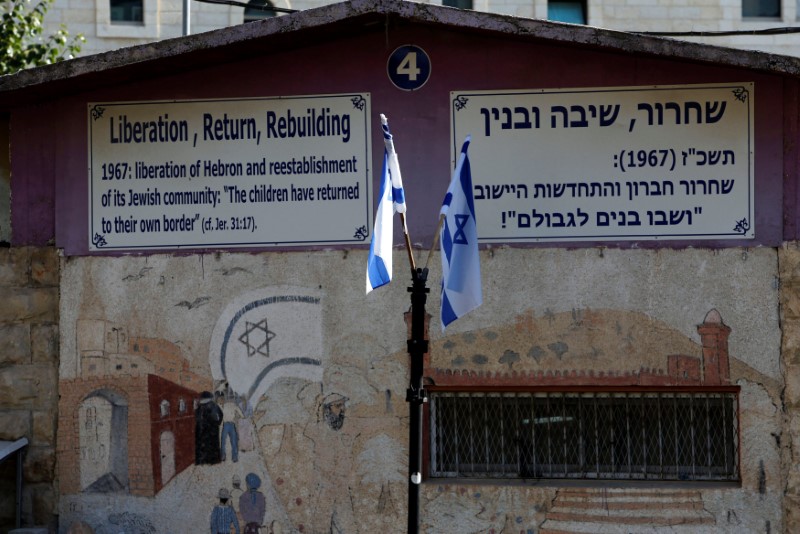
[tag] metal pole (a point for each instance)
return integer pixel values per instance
(415, 396)
(187, 15)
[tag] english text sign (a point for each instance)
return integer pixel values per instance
(253, 172)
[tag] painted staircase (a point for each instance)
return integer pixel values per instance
(612, 510)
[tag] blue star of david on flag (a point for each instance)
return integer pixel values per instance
(461, 269)
(256, 338)
(460, 238)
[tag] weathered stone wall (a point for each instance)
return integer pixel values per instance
(29, 294)
(789, 260)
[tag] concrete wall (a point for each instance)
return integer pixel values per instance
(29, 279)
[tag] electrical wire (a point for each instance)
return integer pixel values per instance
(234, 3)
(724, 33)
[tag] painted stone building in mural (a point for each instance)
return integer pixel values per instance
(207, 204)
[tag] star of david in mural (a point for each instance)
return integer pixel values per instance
(256, 338)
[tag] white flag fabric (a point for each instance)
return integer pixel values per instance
(392, 199)
(461, 270)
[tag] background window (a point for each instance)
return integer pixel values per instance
(761, 8)
(461, 4)
(259, 9)
(127, 11)
(567, 11)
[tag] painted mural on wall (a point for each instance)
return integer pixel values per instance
(613, 348)
(215, 421)
(246, 393)
(586, 348)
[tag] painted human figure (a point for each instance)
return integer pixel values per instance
(223, 516)
(208, 418)
(244, 427)
(252, 505)
(333, 410)
(236, 492)
(230, 414)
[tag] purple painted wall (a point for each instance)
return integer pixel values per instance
(50, 178)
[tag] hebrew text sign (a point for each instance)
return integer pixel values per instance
(610, 163)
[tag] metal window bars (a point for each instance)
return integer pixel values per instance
(588, 435)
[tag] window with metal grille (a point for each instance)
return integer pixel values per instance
(588, 435)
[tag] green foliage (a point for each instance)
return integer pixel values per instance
(22, 44)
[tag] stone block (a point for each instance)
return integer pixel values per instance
(80, 527)
(15, 344)
(44, 428)
(790, 344)
(44, 270)
(655, 12)
(14, 267)
(44, 343)
(45, 505)
(792, 390)
(39, 465)
(791, 508)
(789, 263)
(790, 301)
(29, 304)
(28, 387)
(685, 12)
(79, 16)
(14, 424)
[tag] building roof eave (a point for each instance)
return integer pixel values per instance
(314, 25)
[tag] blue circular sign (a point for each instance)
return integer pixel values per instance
(409, 67)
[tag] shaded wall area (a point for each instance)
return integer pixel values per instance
(29, 278)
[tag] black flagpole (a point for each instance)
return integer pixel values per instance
(415, 396)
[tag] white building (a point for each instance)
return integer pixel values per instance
(767, 24)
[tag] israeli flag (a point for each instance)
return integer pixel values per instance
(392, 199)
(461, 269)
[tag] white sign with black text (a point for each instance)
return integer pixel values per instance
(285, 171)
(623, 163)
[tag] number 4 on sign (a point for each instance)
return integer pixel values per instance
(408, 66)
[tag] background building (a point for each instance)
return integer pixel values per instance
(111, 24)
